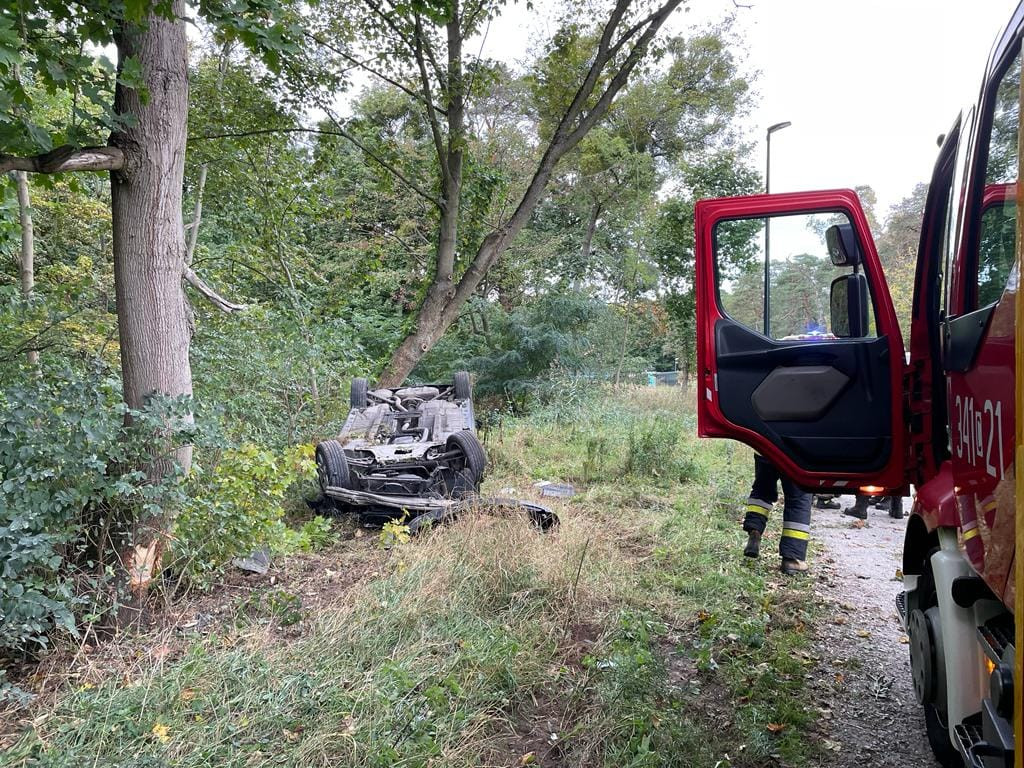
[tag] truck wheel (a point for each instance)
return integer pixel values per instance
(357, 393)
(332, 466)
(927, 666)
(463, 386)
(468, 444)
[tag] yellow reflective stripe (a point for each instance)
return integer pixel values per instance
(795, 534)
(971, 533)
(757, 510)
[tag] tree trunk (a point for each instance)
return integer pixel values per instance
(625, 345)
(27, 260)
(197, 216)
(149, 246)
(443, 300)
(588, 236)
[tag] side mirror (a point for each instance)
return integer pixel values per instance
(843, 249)
(848, 302)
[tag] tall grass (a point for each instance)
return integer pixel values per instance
(631, 636)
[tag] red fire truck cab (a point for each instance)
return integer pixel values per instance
(801, 356)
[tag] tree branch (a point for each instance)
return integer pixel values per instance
(630, 32)
(214, 298)
(563, 141)
(435, 128)
(339, 132)
(65, 159)
(363, 65)
(243, 265)
(619, 80)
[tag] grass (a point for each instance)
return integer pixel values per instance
(634, 636)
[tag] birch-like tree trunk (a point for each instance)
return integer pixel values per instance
(27, 258)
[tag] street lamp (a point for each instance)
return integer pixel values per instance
(767, 222)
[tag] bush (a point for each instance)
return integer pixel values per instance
(69, 489)
(238, 506)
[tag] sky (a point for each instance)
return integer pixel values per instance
(868, 85)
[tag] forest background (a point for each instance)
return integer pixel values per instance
(532, 224)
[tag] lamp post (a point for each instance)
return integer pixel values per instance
(767, 222)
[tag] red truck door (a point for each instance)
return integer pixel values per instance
(799, 351)
(978, 331)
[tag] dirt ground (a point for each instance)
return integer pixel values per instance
(869, 716)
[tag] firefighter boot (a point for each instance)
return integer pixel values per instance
(793, 567)
(859, 508)
(896, 507)
(826, 502)
(753, 548)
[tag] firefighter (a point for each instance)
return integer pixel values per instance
(796, 516)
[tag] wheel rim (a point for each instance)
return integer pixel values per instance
(321, 470)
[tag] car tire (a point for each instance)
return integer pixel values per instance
(463, 386)
(332, 466)
(357, 393)
(457, 484)
(469, 445)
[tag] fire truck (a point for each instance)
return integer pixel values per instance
(801, 356)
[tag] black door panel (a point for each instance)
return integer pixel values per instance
(798, 393)
(962, 338)
(839, 414)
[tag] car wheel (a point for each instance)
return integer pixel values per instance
(357, 393)
(463, 386)
(469, 445)
(332, 466)
(456, 484)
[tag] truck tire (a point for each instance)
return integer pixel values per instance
(332, 466)
(936, 725)
(357, 393)
(463, 386)
(469, 445)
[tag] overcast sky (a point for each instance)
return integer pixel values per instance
(868, 85)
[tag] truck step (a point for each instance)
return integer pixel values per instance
(968, 736)
(995, 635)
(901, 606)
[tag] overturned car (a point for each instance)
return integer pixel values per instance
(403, 451)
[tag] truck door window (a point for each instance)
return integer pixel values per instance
(957, 196)
(996, 244)
(800, 276)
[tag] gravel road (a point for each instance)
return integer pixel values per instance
(869, 716)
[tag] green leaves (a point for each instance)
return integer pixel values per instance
(272, 30)
(66, 462)
(135, 10)
(47, 64)
(238, 507)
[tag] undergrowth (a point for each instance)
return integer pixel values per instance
(634, 635)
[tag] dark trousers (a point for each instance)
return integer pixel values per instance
(796, 514)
